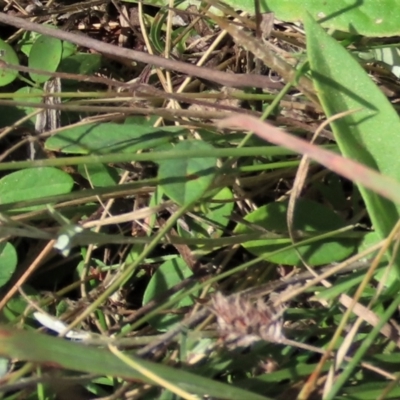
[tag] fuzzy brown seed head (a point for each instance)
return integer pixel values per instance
(242, 323)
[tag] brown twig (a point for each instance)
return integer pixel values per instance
(222, 78)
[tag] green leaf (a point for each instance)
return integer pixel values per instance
(385, 274)
(370, 391)
(81, 63)
(363, 17)
(99, 175)
(51, 351)
(103, 138)
(169, 274)
(157, 26)
(8, 55)
(216, 217)
(8, 262)
(68, 49)
(146, 120)
(17, 305)
(185, 180)
(26, 42)
(16, 113)
(34, 99)
(310, 217)
(45, 54)
(367, 17)
(369, 136)
(34, 183)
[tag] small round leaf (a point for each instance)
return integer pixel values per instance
(8, 262)
(186, 179)
(81, 63)
(167, 275)
(8, 55)
(34, 183)
(68, 49)
(45, 55)
(36, 98)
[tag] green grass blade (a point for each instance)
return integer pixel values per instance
(369, 136)
(57, 352)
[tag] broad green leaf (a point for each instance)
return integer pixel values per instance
(310, 217)
(370, 135)
(8, 262)
(45, 54)
(26, 42)
(146, 120)
(385, 273)
(68, 49)
(366, 17)
(103, 138)
(56, 352)
(333, 191)
(25, 91)
(8, 55)
(169, 274)
(28, 93)
(81, 63)
(185, 180)
(99, 175)
(34, 183)
(215, 217)
(14, 114)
